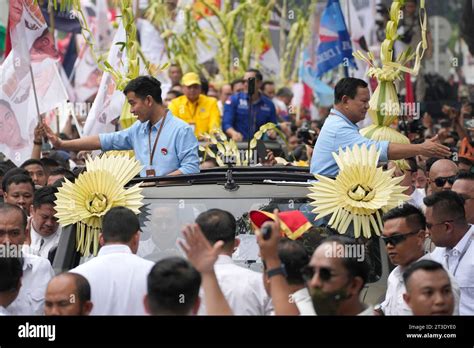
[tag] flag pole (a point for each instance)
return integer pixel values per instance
(36, 96)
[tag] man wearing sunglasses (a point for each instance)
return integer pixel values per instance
(464, 186)
(442, 175)
(335, 282)
(453, 236)
(404, 237)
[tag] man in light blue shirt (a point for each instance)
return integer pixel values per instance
(163, 144)
(351, 99)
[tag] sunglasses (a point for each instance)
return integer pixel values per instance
(441, 181)
(397, 238)
(308, 273)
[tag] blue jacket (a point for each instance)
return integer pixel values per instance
(236, 114)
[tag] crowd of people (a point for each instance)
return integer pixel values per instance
(428, 240)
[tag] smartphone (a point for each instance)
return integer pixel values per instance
(261, 151)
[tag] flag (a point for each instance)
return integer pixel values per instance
(334, 41)
(32, 45)
(309, 75)
(87, 75)
(63, 20)
(107, 106)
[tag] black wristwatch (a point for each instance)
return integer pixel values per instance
(276, 271)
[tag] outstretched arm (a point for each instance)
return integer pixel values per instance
(83, 144)
(430, 148)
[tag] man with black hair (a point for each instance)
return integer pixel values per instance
(404, 237)
(19, 190)
(173, 288)
(268, 89)
(235, 121)
(163, 144)
(36, 170)
(68, 294)
(11, 271)
(335, 276)
(409, 178)
(340, 130)
(453, 236)
(242, 288)
(60, 173)
(36, 271)
(45, 230)
(294, 256)
(117, 276)
(464, 186)
(428, 289)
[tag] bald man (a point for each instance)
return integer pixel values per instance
(442, 175)
(68, 294)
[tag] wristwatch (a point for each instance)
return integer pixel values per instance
(276, 271)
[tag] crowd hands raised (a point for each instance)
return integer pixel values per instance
(298, 278)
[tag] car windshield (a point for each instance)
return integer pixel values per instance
(162, 221)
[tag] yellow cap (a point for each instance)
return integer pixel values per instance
(190, 79)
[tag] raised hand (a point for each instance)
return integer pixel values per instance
(53, 138)
(198, 250)
(432, 148)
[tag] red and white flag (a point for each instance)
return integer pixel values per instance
(32, 45)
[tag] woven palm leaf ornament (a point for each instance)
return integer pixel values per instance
(94, 193)
(359, 194)
(384, 107)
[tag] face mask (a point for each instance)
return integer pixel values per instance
(325, 303)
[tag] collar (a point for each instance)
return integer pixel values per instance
(38, 236)
(4, 311)
(344, 117)
(224, 260)
(398, 271)
(199, 99)
(114, 249)
(462, 243)
(27, 258)
(146, 125)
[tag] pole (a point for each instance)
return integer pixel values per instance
(34, 93)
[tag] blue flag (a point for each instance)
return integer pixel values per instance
(334, 40)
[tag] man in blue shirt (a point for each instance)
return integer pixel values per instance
(163, 144)
(235, 121)
(351, 102)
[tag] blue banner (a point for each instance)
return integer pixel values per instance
(334, 40)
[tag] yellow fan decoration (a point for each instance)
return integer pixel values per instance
(94, 193)
(384, 107)
(359, 193)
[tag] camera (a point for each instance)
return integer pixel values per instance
(306, 135)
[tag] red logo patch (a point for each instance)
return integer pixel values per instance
(164, 151)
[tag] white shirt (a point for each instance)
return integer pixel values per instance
(394, 303)
(303, 301)
(368, 311)
(37, 272)
(461, 268)
(49, 242)
(118, 280)
(242, 288)
(416, 199)
(3, 311)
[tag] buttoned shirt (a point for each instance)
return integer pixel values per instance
(118, 280)
(242, 288)
(42, 248)
(203, 115)
(236, 114)
(37, 272)
(460, 263)
(339, 132)
(394, 304)
(177, 147)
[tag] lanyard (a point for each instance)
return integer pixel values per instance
(152, 152)
(460, 257)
